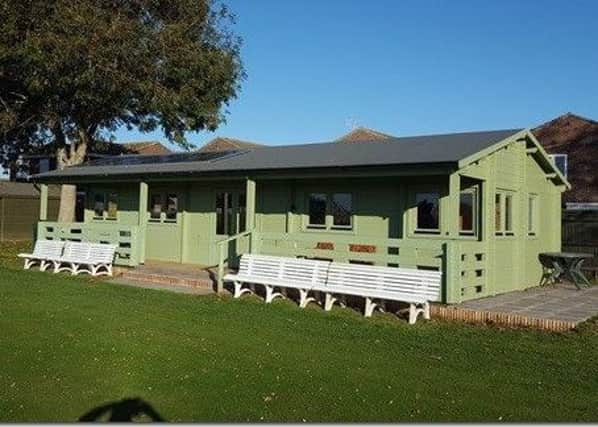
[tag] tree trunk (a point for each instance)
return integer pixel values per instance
(68, 199)
(68, 193)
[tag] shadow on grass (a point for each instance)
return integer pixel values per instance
(122, 411)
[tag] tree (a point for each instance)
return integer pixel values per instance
(73, 71)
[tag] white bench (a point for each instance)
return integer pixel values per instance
(375, 284)
(82, 257)
(43, 251)
(279, 272)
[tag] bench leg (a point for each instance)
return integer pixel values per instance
(370, 305)
(415, 310)
(270, 294)
(29, 263)
(43, 266)
(304, 298)
(329, 301)
(240, 290)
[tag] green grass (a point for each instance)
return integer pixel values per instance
(68, 345)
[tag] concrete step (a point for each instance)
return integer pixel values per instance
(197, 279)
(199, 290)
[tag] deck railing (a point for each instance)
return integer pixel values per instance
(126, 237)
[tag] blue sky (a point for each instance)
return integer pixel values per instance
(316, 68)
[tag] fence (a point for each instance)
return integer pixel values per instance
(19, 216)
(580, 234)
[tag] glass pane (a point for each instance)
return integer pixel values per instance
(427, 211)
(342, 209)
(155, 206)
(508, 212)
(220, 213)
(98, 207)
(560, 161)
(172, 206)
(242, 208)
(467, 211)
(497, 212)
(112, 205)
(317, 209)
(230, 217)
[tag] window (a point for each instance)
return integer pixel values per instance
(509, 213)
(561, 162)
(242, 211)
(99, 205)
(112, 206)
(532, 220)
(468, 211)
(342, 210)
(427, 212)
(156, 206)
(330, 211)
(172, 207)
(504, 209)
(317, 210)
(224, 209)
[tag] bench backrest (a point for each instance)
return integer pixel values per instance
(48, 248)
(287, 270)
(385, 282)
(102, 253)
(77, 251)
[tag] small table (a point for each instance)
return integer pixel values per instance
(568, 264)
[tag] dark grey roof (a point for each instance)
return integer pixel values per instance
(448, 148)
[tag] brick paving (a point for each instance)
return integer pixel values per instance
(559, 302)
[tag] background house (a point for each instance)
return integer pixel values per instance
(19, 209)
(572, 142)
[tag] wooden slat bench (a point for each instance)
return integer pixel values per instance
(376, 284)
(415, 287)
(279, 272)
(43, 251)
(82, 257)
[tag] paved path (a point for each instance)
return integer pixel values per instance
(559, 302)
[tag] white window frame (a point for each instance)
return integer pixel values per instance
(502, 231)
(553, 157)
(473, 190)
(427, 231)
(329, 217)
(532, 215)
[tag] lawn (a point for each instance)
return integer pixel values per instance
(69, 345)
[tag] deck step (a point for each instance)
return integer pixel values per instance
(201, 280)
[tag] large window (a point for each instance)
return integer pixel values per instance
(105, 206)
(503, 213)
(331, 211)
(428, 218)
(561, 162)
(230, 213)
(317, 210)
(163, 207)
(342, 210)
(468, 211)
(99, 204)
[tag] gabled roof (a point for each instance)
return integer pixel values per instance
(417, 150)
(226, 144)
(145, 147)
(362, 134)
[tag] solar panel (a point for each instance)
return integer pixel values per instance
(146, 159)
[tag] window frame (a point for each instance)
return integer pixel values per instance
(501, 230)
(532, 214)
(328, 224)
(161, 218)
(427, 231)
(106, 197)
(476, 217)
(564, 156)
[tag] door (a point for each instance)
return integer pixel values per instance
(230, 220)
